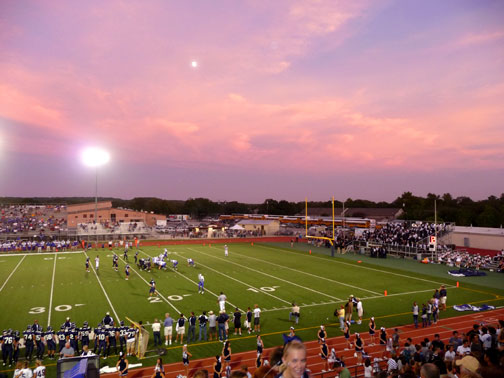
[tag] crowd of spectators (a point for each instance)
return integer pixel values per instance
(17, 219)
(462, 259)
(403, 234)
(48, 245)
(479, 352)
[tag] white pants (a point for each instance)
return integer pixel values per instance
(222, 305)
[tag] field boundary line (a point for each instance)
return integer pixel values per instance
(354, 265)
(194, 282)
(52, 291)
(10, 275)
(309, 274)
(104, 292)
(157, 291)
(480, 291)
(269, 275)
(243, 283)
(364, 298)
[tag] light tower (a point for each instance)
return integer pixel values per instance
(95, 157)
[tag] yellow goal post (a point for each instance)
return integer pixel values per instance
(331, 240)
(142, 340)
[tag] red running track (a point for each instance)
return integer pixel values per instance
(444, 328)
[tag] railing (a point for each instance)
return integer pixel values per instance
(355, 370)
(401, 251)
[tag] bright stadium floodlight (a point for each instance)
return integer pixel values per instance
(95, 157)
(194, 64)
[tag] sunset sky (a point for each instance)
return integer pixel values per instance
(359, 99)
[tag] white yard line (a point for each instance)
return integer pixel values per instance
(269, 275)
(309, 274)
(243, 283)
(157, 291)
(52, 291)
(365, 298)
(10, 275)
(104, 292)
(196, 283)
(356, 266)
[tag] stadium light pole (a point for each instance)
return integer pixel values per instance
(95, 157)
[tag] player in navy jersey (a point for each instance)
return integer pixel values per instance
(49, 339)
(28, 336)
(112, 341)
(102, 341)
(39, 342)
(96, 331)
(7, 347)
(136, 257)
(84, 334)
(125, 254)
(74, 338)
(152, 289)
(127, 271)
(61, 335)
(87, 264)
(15, 355)
(115, 266)
(123, 331)
(68, 323)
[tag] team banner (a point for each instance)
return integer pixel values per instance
(467, 307)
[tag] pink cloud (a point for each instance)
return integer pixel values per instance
(481, 38)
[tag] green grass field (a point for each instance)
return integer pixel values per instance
(38, 286)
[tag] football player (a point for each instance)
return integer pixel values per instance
(84, 334)
(49, 339)
(15, 355)
(38, 332)
(7, 346)
(115, 258)
(152, 289)
(102, 337)
(201, 284)
(112, 340)
(123, 332)
(28, 336)
(61, 334)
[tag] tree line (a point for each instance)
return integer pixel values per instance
(463, 211)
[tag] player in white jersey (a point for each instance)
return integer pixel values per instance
(226, 251)
(97, 262)
(222, 301)
(201, 284)
(40, 370)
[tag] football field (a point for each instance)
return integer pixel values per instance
(50, 287)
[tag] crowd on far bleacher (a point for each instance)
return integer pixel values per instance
(404, 234)
(38, 245)
(23, 218)
(462, 259)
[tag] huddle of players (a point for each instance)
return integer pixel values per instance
(106, 339)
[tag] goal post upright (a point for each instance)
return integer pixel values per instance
(331, 239)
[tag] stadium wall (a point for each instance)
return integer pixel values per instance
(272, 239)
